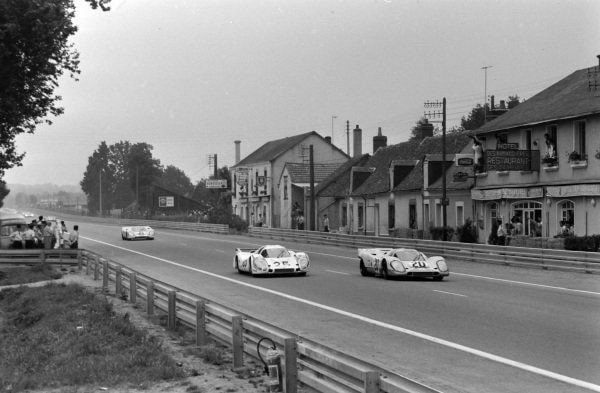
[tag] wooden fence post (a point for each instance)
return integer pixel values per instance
(79, 266)
(290, 372)
(237, 332)
(96, 267)
(150, 298)
(118, 282)
(200, 322)
(371, 382)
(105, 276)
(132, 288)
(172, 320)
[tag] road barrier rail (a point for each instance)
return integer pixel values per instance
(544, 258)
(303, 361)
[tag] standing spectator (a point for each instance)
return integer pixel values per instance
(301, 221)
(538, 227)
(39, 235)
(74, 237)
(325, 223)
(501, 233)
(29, 237)
(48, 234)
(493, 238)
(259, 222)
(477, 154)
(518, 227)
(16, 237)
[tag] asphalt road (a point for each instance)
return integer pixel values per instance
(486, 328)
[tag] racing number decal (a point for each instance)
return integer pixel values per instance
(419, 264)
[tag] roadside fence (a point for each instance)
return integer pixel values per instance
(303, 361)
(549, 259)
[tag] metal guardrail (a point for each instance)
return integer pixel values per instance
(543, 258)
(190, 226)
(304, 361)
(35, 256)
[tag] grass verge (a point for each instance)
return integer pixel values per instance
(63, 335)
(28, 274)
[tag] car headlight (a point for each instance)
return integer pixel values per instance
(260, 263)
(302, 262)
(397, 266)
(442, 267)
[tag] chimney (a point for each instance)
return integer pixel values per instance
(328, 139)
(237, 151)
(357, 141)
(492, 105)
(502, 104)
(379, 141)
(598, 61)
(426, 129)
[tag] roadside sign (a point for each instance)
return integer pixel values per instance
(460, 177)
(465, 159)
(222, 183)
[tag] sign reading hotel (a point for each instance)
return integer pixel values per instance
(508, 157)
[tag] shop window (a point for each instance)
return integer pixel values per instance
(344, 215)
(566, 213)
(391, 215)
(285, 187)
(361, 215)
(460, 214)
(579, 140)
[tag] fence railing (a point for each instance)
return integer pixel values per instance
(33, 256)
(190, 226)
(550, 259)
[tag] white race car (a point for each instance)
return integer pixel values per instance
(137, 232)
(270, 260)
(401, 262)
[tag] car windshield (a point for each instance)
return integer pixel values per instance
(407, 255)
(276, 252)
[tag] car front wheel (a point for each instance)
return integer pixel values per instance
(384, 272)
(363, 269)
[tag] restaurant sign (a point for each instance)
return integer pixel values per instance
(512, 160)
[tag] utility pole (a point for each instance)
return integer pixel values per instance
(436, 106)
(216, 166)
(485, 94)
(100, 192)
(137, 185)
(332, 118)
(348, 137)
(312, 190)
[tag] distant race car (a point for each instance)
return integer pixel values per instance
(401, 262)
(137, 232)
(270, 260)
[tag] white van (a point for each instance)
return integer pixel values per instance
(8, 224)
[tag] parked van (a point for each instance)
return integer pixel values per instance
(8, 224)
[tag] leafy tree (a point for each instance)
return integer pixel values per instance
(34, 53)
(174, 179)
(415, 132)
(475, 119)
(513, 101)
(218, 201)
(3, 192)
(143, 170)
(97, 175)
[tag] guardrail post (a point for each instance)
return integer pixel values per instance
(96, 267)
(237, 332)
(43, 256)
(290, 372)
(105, 276)
(118, 282)
(86, 256)
(172, 320)
(371, 382)
(200, 322)
(132, 288)
(150, 298)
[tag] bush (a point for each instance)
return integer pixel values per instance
(238, 223)
(467, 233)
(582, 243)
(437, 233)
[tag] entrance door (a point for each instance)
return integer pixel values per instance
(530, 214)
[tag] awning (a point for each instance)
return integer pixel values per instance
(573, 190)
(507, 193)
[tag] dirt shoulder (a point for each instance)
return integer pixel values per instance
(202, 375)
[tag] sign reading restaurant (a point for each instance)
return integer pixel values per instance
(508, 157)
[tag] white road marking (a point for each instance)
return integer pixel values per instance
(334, 271)
(460, 347)
(528, 283)
(450, 293)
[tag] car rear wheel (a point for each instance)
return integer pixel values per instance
(237, 265)
(363, 269)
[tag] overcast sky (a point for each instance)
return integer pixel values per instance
(191, 77)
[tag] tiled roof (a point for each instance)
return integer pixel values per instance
(568, 98)
(379, 181)
(338, 183)
(273, 149)
(300, 172)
